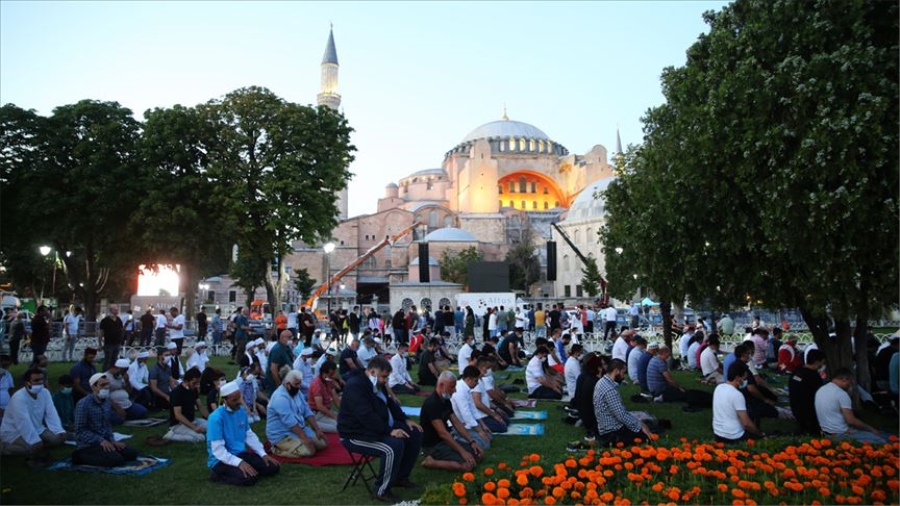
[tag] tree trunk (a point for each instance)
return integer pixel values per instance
(189, 283)
(665, 309)
(860, 334)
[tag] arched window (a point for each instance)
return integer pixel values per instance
(501, 203)
(566, 262)
(370, 263)
(512, 187)
(546, 205)
(387, 263)
(502, 146)
(500, 189)
(432, 218)
(589, 236)
(523, 185)
(576, 235)
(512, 143)
(534, 204)
(406, 303)
(533, 187)
(512, 204)
(540, 146)
(555, 203)
(523, 205)
(546, 191)
(522, 144)
(426, 304)
(531, 145)
(445, 302)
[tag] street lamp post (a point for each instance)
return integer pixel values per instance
(328, 248)
(45, 250)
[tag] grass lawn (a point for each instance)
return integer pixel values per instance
(185, 480)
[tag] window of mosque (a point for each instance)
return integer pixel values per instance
(523, 185)
(523, 205)
(576, 235)
(540, 146)
(567, 290)
(501, 203)
(512, 187)
(502, 146)
(370, 263)
(432, 218)
(522, 144)
(387, 263)
(579, 292)
(549, 146)
(512, 143)
(555, 203)
(211, 296)
(546, 205)
(531, 145)
(534, 204)
(512, 204)
(232, 296)
(445, 302)
(426, 304)
(533, 187)
(500, 189)
(566, 262)
(405, 189)
(429, 185)
(406, 303)
(546, 191)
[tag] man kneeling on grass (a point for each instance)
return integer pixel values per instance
(96, 445)
(291, 425)
(441, 449)
(235, 455)
(614, 423)
(184, 425)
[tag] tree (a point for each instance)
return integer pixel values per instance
(303, 283)
(591, 279)
(455, 266)
(73, 175)
(275, 167)
(774, 162)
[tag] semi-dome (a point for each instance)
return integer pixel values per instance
(449, 234)
(586, 207)
(506, 128)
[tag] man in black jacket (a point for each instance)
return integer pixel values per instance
(371, 423)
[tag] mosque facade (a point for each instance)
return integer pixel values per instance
(503, 182)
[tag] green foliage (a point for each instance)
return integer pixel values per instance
(303, 283)
(455, 266)
(591, 279)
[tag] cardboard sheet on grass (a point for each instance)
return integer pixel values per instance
(524, 403)
(523, 429)
(333, 455)
(143, 465)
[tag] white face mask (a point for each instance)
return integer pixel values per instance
(250, 377)
(744, 384)
(374, 380)
(221, 383)
(103, 393)
(35, 389)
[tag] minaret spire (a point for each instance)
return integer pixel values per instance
(329, 97)
(618, 142)
(505, 117)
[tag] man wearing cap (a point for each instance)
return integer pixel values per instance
(119, 394)
(31, 424)
(235, 455)
(176, 369)
(81, 373)
(291, 425)
(302, 364)
(249, 353)
(139, 377)
(788, 356)
(198, 359)
(110, 337)
(161, 380)
(94, 439)
(184, 425)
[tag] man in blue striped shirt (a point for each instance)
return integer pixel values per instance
(96, 445)
(614, 422)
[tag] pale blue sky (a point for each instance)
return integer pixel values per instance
(415, 77)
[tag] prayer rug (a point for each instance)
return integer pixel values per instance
(415, 411)
(333, 455)
(147, 422)
(524, 403)
(143, 465)
(529, 415)
(524, 429)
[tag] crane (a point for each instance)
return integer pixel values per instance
(313, 299)
(603, 297)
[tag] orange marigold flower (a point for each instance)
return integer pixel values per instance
(459, 490)
(659, 486)
(502, 493)
(857, 490)
(571, 463)
(501, 465)
(674, 494)
(549, 500)
(503, 483)
(740, 494)
(513, 502)
(723, 487)
(534, 457)
(536, 471)
(607, 497)
(489, 471)
(463, 501)
(654, 436)
(522, 480)
(488, 499)
(468, 477)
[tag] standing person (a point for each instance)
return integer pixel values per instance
(554, 318)
(95, 444)
(128, 322)
(494, 321)
(540, 321)
(176, 328)
(459, 321)
(370, 423)
(111, 335)
(235, 455)
(18, 333)
(202, 324)
(159, 329)
(353, 322)
(281, 322)
(398, 324)
(635, 313)
(307, 326)
(147, 322)
(614, 423)
(469, 323)
(802, 388)
(241, 330)
(40, 332)
(71, 326)
(439, 321)
(218, 329)
(610, 314)
(731, 423)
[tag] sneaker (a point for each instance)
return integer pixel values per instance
(658, 398)
(591, 440)
(578, 446)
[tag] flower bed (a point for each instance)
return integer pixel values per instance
(815, 472)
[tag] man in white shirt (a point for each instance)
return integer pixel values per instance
(139, 377)
(710, 366)
(464, 408)
(573, 368)
(198, 358)
(610, 314)
(620, 348)
(31, 424)
(400, 382)
(835, 411)
(685, 343)
(634, 358)
(71, 325)
(465, 351)
(160, 329)
(367, 350)
(540, 385)
(731, 423)
(176, 328)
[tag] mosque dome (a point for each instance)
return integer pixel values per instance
(506, 128)
(586, 207)
(450, 234)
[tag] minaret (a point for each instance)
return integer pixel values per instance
(329, 97)
(620, 155)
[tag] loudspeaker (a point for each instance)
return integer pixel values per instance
(424, 267)
(551, 260)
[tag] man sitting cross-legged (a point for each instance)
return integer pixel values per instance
(291, 426)
(731, 421)
(441, 449)
(614, 423)
(184, 425)
(94, 439)
(371, 423)
(235, 455)
(30, 424)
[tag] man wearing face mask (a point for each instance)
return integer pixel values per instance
(371, 423)
(291, 426)
(614, 423)
(6, 382)
(64, 403)
(441, 449)
(139, 377)
(400, 381)
(235, 454)
(120, 394)
(96, 445)
(31, 424)
(731, 420)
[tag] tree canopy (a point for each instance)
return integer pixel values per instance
(455, 266)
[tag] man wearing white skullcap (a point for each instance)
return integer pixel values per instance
(198, 359)
(120, 395)
(234, 454)
(139, 378)
(94, 439)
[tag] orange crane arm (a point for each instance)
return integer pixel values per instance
(311, 302)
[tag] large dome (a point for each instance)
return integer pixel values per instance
(506, 128)
(450, 234)
(586, 207)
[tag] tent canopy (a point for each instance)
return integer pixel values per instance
(648, 302)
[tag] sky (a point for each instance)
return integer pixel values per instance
(415, 77)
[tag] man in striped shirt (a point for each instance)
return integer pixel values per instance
(614, 422)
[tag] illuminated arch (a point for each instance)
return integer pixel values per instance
(547, 194)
